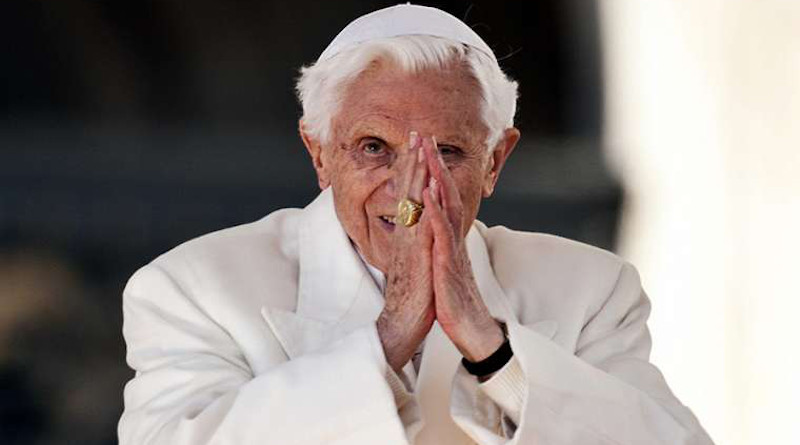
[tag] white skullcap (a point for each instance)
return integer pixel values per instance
(402, 20)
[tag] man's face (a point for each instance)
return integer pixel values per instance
(370, 138)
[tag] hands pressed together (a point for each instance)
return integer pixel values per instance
(430, 277)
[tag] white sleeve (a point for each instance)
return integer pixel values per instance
(605, 392)
(507, 389)
(193, 386)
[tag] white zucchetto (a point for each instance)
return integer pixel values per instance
(401, 20)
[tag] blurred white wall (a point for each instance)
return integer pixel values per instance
(703, 127)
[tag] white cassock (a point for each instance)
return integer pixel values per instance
(265, 334)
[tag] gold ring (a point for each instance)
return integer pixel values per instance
(409, 212)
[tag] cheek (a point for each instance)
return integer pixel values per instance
(351, 196)
(469, 183)
(358, 170)
(468, 175)
(354, 187)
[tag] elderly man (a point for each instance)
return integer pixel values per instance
(383, 312)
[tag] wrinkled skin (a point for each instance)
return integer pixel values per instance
(419, 136)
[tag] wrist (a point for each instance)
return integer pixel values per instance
(482, 342)
(488, 366)
(398, 340)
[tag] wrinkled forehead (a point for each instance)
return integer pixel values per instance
(437, 101)
(384, 84)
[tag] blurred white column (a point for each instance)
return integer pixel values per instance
(703, 127)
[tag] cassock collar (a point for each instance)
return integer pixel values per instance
(333, 279)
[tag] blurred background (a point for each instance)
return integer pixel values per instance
(662, 130)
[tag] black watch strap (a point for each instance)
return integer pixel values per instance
(490, 364)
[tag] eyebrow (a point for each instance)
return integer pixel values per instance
(454, 139)
(368, 126)
(381, 126)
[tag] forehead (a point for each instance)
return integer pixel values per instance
(433, 101)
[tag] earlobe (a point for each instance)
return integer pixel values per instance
(491, 177)
(315, 151)
(498, 158)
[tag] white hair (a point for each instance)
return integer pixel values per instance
(321, 86)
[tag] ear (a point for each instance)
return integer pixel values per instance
(315, 150)
(497, 159)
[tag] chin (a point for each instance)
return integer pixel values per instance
(375, 257)
(377, 260)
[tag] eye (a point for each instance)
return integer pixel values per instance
(449, 150)
(373, 147)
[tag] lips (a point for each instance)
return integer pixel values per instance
(387, 222)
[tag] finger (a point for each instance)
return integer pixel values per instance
(407, 171)
(419, 178)
(405, 168)
(441, 229)
(448, 195)
(430, 152)
(423, 227)
(448, 190)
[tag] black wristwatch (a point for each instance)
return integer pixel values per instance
(492, 363)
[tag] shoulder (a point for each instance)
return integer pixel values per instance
(507, 247)
(551, 272)
(275, 235)
(243, 260)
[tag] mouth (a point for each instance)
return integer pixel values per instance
(387, 221)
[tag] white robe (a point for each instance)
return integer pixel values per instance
(265, 334)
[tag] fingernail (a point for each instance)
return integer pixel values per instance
(436, 148)
(412, 139)
(421, 153)
(432, 183)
